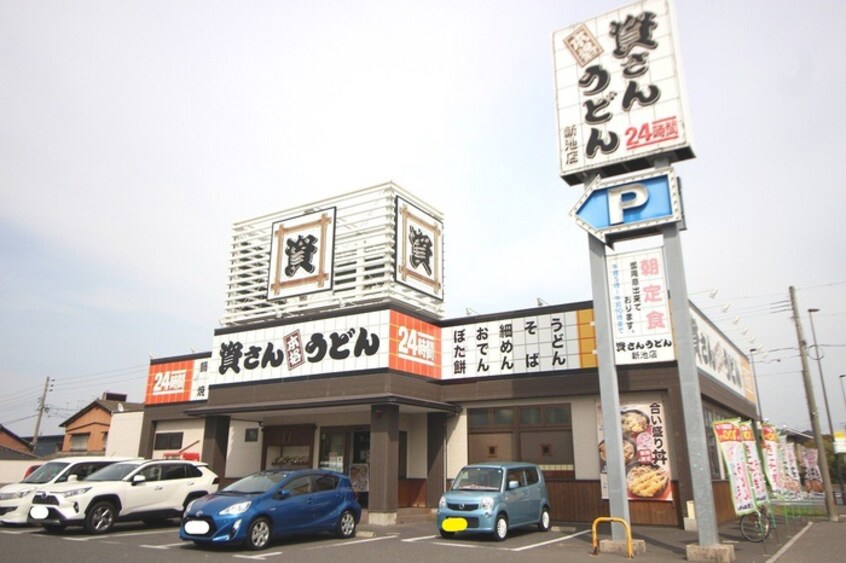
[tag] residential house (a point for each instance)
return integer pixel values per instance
(87, 431)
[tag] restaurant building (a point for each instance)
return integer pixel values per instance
(333, 352)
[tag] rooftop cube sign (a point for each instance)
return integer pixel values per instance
(302, 253)
(619, 92)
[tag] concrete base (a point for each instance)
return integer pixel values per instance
(619, 547)
(690, 525)
(382, 518)
(722, 553)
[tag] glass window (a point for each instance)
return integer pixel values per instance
(174, 471)
(325, 483)
(503, 417)
(477, 418)
(530, 416)
(168, 441)
(299, 486)
(79, 442)
(558, 414)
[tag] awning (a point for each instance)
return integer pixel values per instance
(324, 403)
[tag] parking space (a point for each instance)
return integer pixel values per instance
(410, 542)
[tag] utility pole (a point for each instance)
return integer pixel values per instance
(42, 402)
(812, 410)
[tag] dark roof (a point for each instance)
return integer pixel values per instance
(7, 454)
(24, 443)
(108, 405)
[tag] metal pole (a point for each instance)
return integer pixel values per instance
(694, 421)
(41, 403)
(758, 409)
(609, 394)
(812, 410)
(825, 400)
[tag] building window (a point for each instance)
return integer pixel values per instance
(79, 442)
(168, 441)
(541, 434)
(251, 435)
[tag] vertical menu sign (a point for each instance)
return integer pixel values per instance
(640, 312)
(619, 93)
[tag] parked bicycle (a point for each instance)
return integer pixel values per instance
(756, 526)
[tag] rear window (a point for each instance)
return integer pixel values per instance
(46, 472)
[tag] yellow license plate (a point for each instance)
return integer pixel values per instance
(454, 525)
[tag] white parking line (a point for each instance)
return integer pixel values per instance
(18, 532)
(259, 557)
(454, 544)
(420, 538)
(166, 546)
(118, 535)
(556, 540)
(353, 542)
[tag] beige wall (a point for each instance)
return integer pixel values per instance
(125, 434)
(192, 433)
(95, 422)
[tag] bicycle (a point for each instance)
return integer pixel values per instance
(756, 526)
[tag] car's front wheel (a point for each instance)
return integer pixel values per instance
(258, 536)
(100, 518)
(501, 528)
(544, 522)
(346, 525)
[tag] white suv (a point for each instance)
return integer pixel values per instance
(133, 490)
(16, 498)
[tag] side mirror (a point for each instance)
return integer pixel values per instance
(513, 484)
(73, 478)
(282, 494)
(138, 479)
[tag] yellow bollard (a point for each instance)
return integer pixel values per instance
(619, 521)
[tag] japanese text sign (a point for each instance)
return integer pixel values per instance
(730, 442)
(302, 252)
(419, 249)
(640, 311)
(619, 91)
(177, 381)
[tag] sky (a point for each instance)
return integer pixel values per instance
(133, 135)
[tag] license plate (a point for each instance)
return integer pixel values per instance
(454, 525)
(197, 527)
(39, 512)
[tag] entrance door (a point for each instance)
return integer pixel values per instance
(333, 450)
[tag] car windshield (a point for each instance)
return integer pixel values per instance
(46, 472)
(256, 483)
(478, 479)
(114, 472)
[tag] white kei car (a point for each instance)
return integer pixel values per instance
(16, 498)
(148, 490)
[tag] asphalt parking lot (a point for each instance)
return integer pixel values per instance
(803, 541)
(409, 542)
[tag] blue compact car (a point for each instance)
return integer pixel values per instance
(494, 498)
(270, 504)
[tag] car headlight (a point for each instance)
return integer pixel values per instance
(486, 503)
(442, 503)
(18, 494)
(235, 509)
(75, 492)
(189, 505)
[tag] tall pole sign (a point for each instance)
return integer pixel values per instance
(621, 111)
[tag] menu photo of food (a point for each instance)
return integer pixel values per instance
(646, 459)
